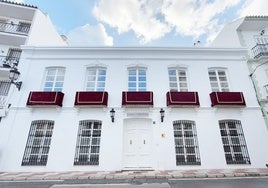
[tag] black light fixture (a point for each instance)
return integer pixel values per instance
(112, 113)
(13, 76)
(162, 114)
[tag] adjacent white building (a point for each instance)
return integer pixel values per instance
(98, 109)
(21, 24)
(251, 32)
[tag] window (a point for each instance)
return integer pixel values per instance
(233, 141)
(218, 80)
(38, 143)
(88, 143)
(4, 89)
(54, 79)
(186, 144)
(177, 80)
(137, 79)
(96, 79)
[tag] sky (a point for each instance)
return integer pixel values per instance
(174, 23)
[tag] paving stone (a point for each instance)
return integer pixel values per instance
(201, 175)
(178, 175)
(189, 175)
(239, 174)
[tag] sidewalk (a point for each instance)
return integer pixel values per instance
(170, 174)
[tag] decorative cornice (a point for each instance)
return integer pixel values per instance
(20, 4)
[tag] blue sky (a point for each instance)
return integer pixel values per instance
(144, 22)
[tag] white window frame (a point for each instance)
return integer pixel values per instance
(38, 143)
(234, 143)
(95, 82)
(137, 82)
(88, 143)
(178, 80)
(186, 143)
(55, 80)
(218, 82)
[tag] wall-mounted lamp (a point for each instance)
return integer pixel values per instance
(13, 76)
(162, 114)
(112, 113)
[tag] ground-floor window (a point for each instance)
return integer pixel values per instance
(233, 141)
(186, 143)
(38, 143)
(88, 143)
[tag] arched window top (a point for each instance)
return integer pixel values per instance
(178, 66)
(217, 68)
(99, 65)
(137, 66)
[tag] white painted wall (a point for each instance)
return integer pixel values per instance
(15, 128)
(43, 32)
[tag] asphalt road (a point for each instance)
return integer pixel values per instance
(258, 182)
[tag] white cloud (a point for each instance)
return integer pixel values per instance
(152, 19)
(254, 8)
(89, 35)
(136, 15)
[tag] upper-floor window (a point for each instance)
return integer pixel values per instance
(137, 79)
(218, 80)
(54, 78)
(177, 79)
(96, 77)
(38, 143)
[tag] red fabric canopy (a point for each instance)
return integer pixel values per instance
(227, 99)
(48, 98)
(175, 98)
(137, 98)
(91, 98)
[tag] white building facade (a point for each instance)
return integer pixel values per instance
(98, 109)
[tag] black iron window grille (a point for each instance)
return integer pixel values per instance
(186, 143)
(234, 143)
(38, 143)
(88, 143)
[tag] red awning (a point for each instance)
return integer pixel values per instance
(45, 98)
(175, 98)
(91, 98)
(227, 99)
(137, 98)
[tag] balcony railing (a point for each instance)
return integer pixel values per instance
(260, 50)
(15, 28)
(7, 62)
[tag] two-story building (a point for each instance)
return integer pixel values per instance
(105, 109)
(20, 24)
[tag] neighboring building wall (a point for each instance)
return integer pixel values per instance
(43, 32)
(66, 119)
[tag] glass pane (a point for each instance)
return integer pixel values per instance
(132, 72)
(172, 79)
(50, 78)
(131, 84)
(60, 78)
(142, 72)
(182, 73)
(142, 78)
(131, 78)
(58, 84)
(221, 73)
(57, 89)
(101, 78)
(92, 72)
(51, 71)
(101, 84)
(142, 84)
(91, 78)
(102, 72)
(49, 84)
(212, 73)
(172, 72)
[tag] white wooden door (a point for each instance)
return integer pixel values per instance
(137, 143)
